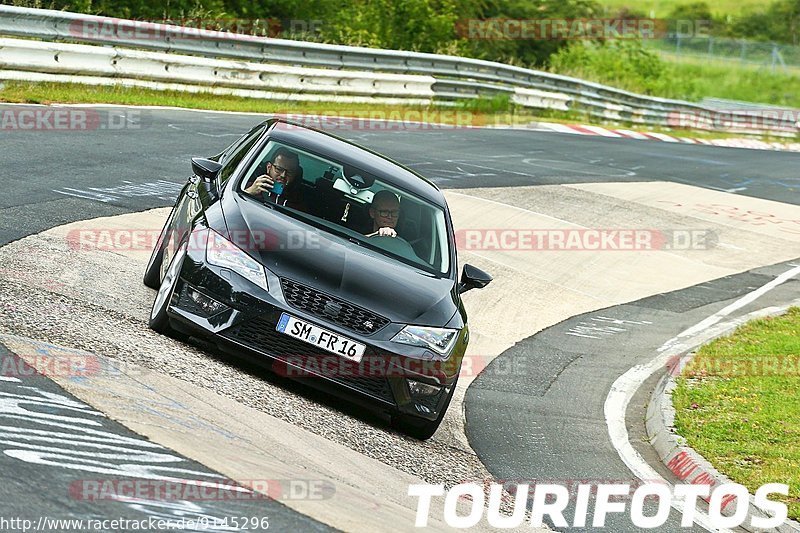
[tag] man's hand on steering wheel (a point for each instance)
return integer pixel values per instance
(384, 232)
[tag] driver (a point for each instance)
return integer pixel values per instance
(384, 212)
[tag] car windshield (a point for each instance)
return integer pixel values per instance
(350, 203)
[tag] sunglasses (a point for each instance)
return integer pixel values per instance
(388, 213)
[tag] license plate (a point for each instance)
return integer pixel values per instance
(321, 338)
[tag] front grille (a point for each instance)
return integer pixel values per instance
(259, 334)
(332, 309)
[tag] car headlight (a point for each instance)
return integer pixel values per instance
(440, 340)
(223, 253)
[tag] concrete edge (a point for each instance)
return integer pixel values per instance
(682, 460)
(681, 137)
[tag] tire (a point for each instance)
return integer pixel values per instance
(159, 320)
(152, 274)
(419, 428)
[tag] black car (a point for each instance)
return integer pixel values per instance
(311, 286)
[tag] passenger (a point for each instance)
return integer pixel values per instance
(384, 212)
(280, 184)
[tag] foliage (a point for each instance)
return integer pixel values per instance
(621, 63)
(528, 51)
(436, 26)
(626, 65)
(417, 25)
(499, 103)
(779, 22)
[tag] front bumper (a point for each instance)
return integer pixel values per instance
(247, 326)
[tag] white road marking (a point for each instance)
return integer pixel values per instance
(561, 128)
(161, 188)
(738, 304)
(624, 388)
(593, 331)
(603, 132)
(663, 137)
(632, 134)
(564, 166)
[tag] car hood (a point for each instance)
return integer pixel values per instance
(295, 250)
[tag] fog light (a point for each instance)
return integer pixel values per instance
(209, 305)
(422, 390)
(422, 409)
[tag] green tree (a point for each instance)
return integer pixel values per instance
(779, 22)
(784, 17)
(416, 25)
(693, 20)
(529, 52)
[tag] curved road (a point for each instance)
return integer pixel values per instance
(521, 424)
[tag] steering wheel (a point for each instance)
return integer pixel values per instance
(396, 245)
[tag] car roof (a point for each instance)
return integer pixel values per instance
(344, 151)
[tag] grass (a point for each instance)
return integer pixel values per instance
(693, 80)
(738, 404)
(50, 93)
(663, 8)
(704, 61)
(641, 70)
(479, 112)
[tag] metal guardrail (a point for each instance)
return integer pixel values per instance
(456, 78)
(31, 60)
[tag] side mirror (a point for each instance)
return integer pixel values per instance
(206, 169)
(473, 278)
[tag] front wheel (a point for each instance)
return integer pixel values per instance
(159, 320)
(152, 274)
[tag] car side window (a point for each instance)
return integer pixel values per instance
(234, 155)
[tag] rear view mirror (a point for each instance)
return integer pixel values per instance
(206, 169)
(473, 278)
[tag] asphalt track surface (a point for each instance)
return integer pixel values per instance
(535, 414)
(76, 461)
(45, 171)
(51, 178)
